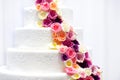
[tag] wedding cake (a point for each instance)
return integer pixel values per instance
(48, 47)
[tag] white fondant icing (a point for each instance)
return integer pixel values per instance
(31, 16)
(33, 38)
(6, 74)
(31, 60)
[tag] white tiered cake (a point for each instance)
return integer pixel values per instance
(31, 58)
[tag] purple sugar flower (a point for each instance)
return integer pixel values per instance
(76, 48)
(80, 57)
(39, 1)
(68, 43)
(85, 64)
(64, 57)
(96, 77)
(58, 19)
(75, 42)
(47, 22)
(52, 14)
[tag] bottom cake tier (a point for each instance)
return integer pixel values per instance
(6, 74)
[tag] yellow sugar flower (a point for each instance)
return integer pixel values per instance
(76, 76)
(53, 46)
(83, 49)
(65, 27)
(68, 63)
(39, 23)
(88, 71)
(42, 15)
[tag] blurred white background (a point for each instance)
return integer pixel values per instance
(100, 20)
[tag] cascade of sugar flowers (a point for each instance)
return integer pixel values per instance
(77, 63)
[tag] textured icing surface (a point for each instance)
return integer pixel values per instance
(6, 74)
(44, 61)
(30, 16)
(35, 38)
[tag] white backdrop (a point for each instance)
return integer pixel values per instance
(99, 18)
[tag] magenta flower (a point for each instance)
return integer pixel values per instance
(39, 1)
(47, 22)
(68, 43)
(85, 64)
(80, 57)
(52, 14)
(49, 1)
(89, 78)
(86, 55)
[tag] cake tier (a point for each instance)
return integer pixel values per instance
(31, 16)
(44, 61)
(37, 37)
(6, 74)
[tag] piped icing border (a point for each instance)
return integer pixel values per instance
(77, 63)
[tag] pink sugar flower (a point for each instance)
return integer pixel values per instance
(80, 57)
(45, 6)
(70, 71)
(63, 49)
(56, 27)
(83, 74)
(71, 53)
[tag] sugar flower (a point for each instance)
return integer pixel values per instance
(76, 48)
(96, 77)
(56, 27)
(58, 19)
(38, 7)
(71, 35)
(45, 6)
(39, 1)
(53, 6)
(80, 58)
(75, 42)
(66, 27)
(89, 78)
(68, 63)
(49, 1)
(71, 53)
(68, 43)
(42, 15)
(76, 76)
(52, 14)
(39, 23)
(83, 74)
(63, 49)
(88, 71)
(70, 71)
(61, 36)
(64, 57)
(47, 22)
(85, 64)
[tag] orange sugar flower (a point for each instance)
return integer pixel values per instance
(38, 7)
(61, 36)
(54, 35)
(53, 6)
(57, 41)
